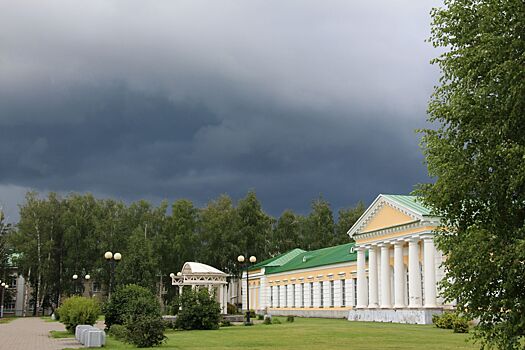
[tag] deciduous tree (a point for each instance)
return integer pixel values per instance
(477, 157)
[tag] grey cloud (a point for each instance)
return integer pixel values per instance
(195, 98)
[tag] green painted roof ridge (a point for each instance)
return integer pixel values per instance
(319, 257)
(278, 260)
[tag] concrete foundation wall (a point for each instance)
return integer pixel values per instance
(311, 313)
(413, 316)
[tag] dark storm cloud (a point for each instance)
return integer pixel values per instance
(193, 99)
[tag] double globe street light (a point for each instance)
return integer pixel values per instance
(80, 290)
(252, 259)
(112, 260)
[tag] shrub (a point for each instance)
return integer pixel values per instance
(232, 309)
(145, 330)
(450, 320)
(460, 325)
(225, 323)
(252, 314)
(130, 300)
(444, 320)
(260, 317)
(290, 319)
(267, 320)
(118, 331)
(276, 321)
(200, 310)
(78, 310)
(169, 323)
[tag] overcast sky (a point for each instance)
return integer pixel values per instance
(191, 99)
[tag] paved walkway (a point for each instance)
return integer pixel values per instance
(30, 333)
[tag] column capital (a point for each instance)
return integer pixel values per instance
(427, 236)
(399, 242)
(413, 239)
(384, 244)
(360, 248)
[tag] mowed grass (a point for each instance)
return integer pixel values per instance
(61, 334)
(315, 334)
(6, 319)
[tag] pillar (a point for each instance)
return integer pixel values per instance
(429, 266)
(386, 301)
(399, 276)
(225, 297)
(338, 293)
(414, 273)
(362, 288)
(372, 278)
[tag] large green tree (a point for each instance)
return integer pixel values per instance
(346, 219)
(254, 228)
(217, 230)
(476, 154)
(318, 227)
(286, 233)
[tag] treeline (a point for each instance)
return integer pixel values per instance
(57, 237)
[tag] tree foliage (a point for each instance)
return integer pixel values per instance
(199, 310)
(477, 156)
(58, 237)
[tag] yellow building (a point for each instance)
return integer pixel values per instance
(389, 274)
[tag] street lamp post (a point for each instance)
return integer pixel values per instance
(4, 286)
(252, 259)
(112, 260)
(80, 282)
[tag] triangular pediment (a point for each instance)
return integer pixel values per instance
(384, 213)
(386, 216)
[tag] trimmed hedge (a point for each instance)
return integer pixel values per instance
(78, 310)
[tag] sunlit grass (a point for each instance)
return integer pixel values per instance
(306, 334)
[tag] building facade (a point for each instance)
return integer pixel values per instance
(389, 274)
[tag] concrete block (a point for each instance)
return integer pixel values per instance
(79, 329)
(95, 338)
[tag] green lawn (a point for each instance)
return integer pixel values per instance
(315, 334)
(61, 334)
(6, 319)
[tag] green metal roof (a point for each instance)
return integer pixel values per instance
(277, 260)
(314, 258)
(411, 202)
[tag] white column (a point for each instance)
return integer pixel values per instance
(225, 297)
(372, 278)
(414, 273)
(283, 295)
(429, 265)
(386, 301)
(399, 276)
(326, 294)
(350, 292)
(298, 302)
(317, 294)
(338, 290)
(362, 288)
(221, 301)
(307, 293)
(290, 296)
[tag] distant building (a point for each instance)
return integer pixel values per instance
(389, 274)
(15, 303)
